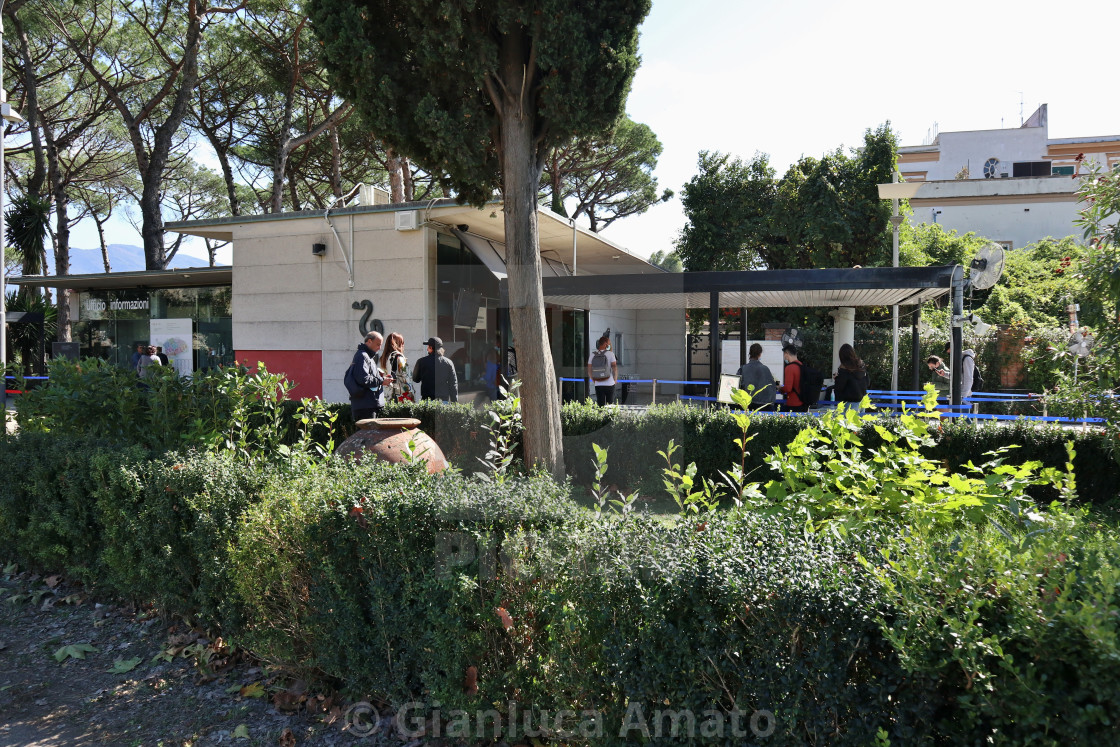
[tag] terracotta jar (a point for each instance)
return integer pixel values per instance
(387, 438)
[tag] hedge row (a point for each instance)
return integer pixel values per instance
(471, 593)
(634, 439)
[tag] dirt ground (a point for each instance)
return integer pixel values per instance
(76, 672)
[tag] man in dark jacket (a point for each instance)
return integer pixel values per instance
(365, 399)
(436, 374)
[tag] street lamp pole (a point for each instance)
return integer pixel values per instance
(894, 192)
(896, 221)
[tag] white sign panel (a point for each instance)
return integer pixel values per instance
(771, 356)
(176, 337)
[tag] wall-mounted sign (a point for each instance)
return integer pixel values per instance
(113, 305)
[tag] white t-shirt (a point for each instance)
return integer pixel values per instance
(610, 364)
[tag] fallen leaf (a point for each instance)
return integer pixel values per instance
(253, 690)
(241, 732)
(287, 739)
(233, 689)
(121, 666)
(287, 701)
(52, 581)
(74, 651)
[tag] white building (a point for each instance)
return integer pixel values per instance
(1014, 186)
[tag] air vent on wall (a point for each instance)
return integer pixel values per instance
(406, 220)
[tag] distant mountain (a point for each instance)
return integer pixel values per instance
(123, 258)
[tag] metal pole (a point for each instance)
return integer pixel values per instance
(896, 219)
(957, 334)
(742, 336)
(916, 349)
(575, 252)
(713, 330)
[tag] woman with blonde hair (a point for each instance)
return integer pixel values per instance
(393, 361)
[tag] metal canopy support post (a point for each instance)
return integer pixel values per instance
(957, 335)
(896, 221)
(713, 333)
(742, 336)
(916, 348)
(503, 328)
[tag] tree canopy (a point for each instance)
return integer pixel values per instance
(824, 212)
(605, 177)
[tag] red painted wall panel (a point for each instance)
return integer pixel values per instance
(304, 368)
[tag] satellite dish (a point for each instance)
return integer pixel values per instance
(792, 338)
(986, 266)
(1079, 344)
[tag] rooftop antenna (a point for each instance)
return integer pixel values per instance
(1021, 108)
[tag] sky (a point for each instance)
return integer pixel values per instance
(804, 77)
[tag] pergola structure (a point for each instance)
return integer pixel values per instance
(833, 288)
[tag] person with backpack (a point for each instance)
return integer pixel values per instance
(364, 380)
(970, 377)
(602, 369)
(802, 387)
(851, 380)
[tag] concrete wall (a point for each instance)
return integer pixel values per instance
(659, 344)
(287, 299)
(1018, 223)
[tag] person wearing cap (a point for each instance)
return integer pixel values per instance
(436, 374)
(366, 397)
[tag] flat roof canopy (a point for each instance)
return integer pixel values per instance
(756, 289)
(188, 277)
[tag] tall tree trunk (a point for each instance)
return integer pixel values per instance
(336, 164)
(396, 177)
(31, 86)
(521, 172)
(101, 239)
(227, 170)
(409, 184)
(61, 238)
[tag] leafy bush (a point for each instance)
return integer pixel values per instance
(168, 525)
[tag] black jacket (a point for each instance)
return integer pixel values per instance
(368, 376)
(851, 386)
(436, 375)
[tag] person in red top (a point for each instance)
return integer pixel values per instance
(792, 378)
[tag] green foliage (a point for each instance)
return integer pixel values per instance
(822, 213)
(227, 408)
(668, 261)
(829, 479)
(1017, 639)
(28, 223)
(167, 528)
(605, 177)
(430, 78)
(1039, 281)
(924, 244)
(505, 430)
(395, 583)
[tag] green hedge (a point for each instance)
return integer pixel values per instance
(371, 575)
(707, 438)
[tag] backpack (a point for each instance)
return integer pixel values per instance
(600, 366)
(977, 377)
(351, 383)
(811, 382)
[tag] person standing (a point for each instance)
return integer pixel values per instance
(968, 369)
(792, 378)
(364, 381)
(136, 356)
(436, 374)
(148, 363)
(163, 359)
(602, 369)
(754, 373)
(851, 380)
(394, 363)
(942, 378)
